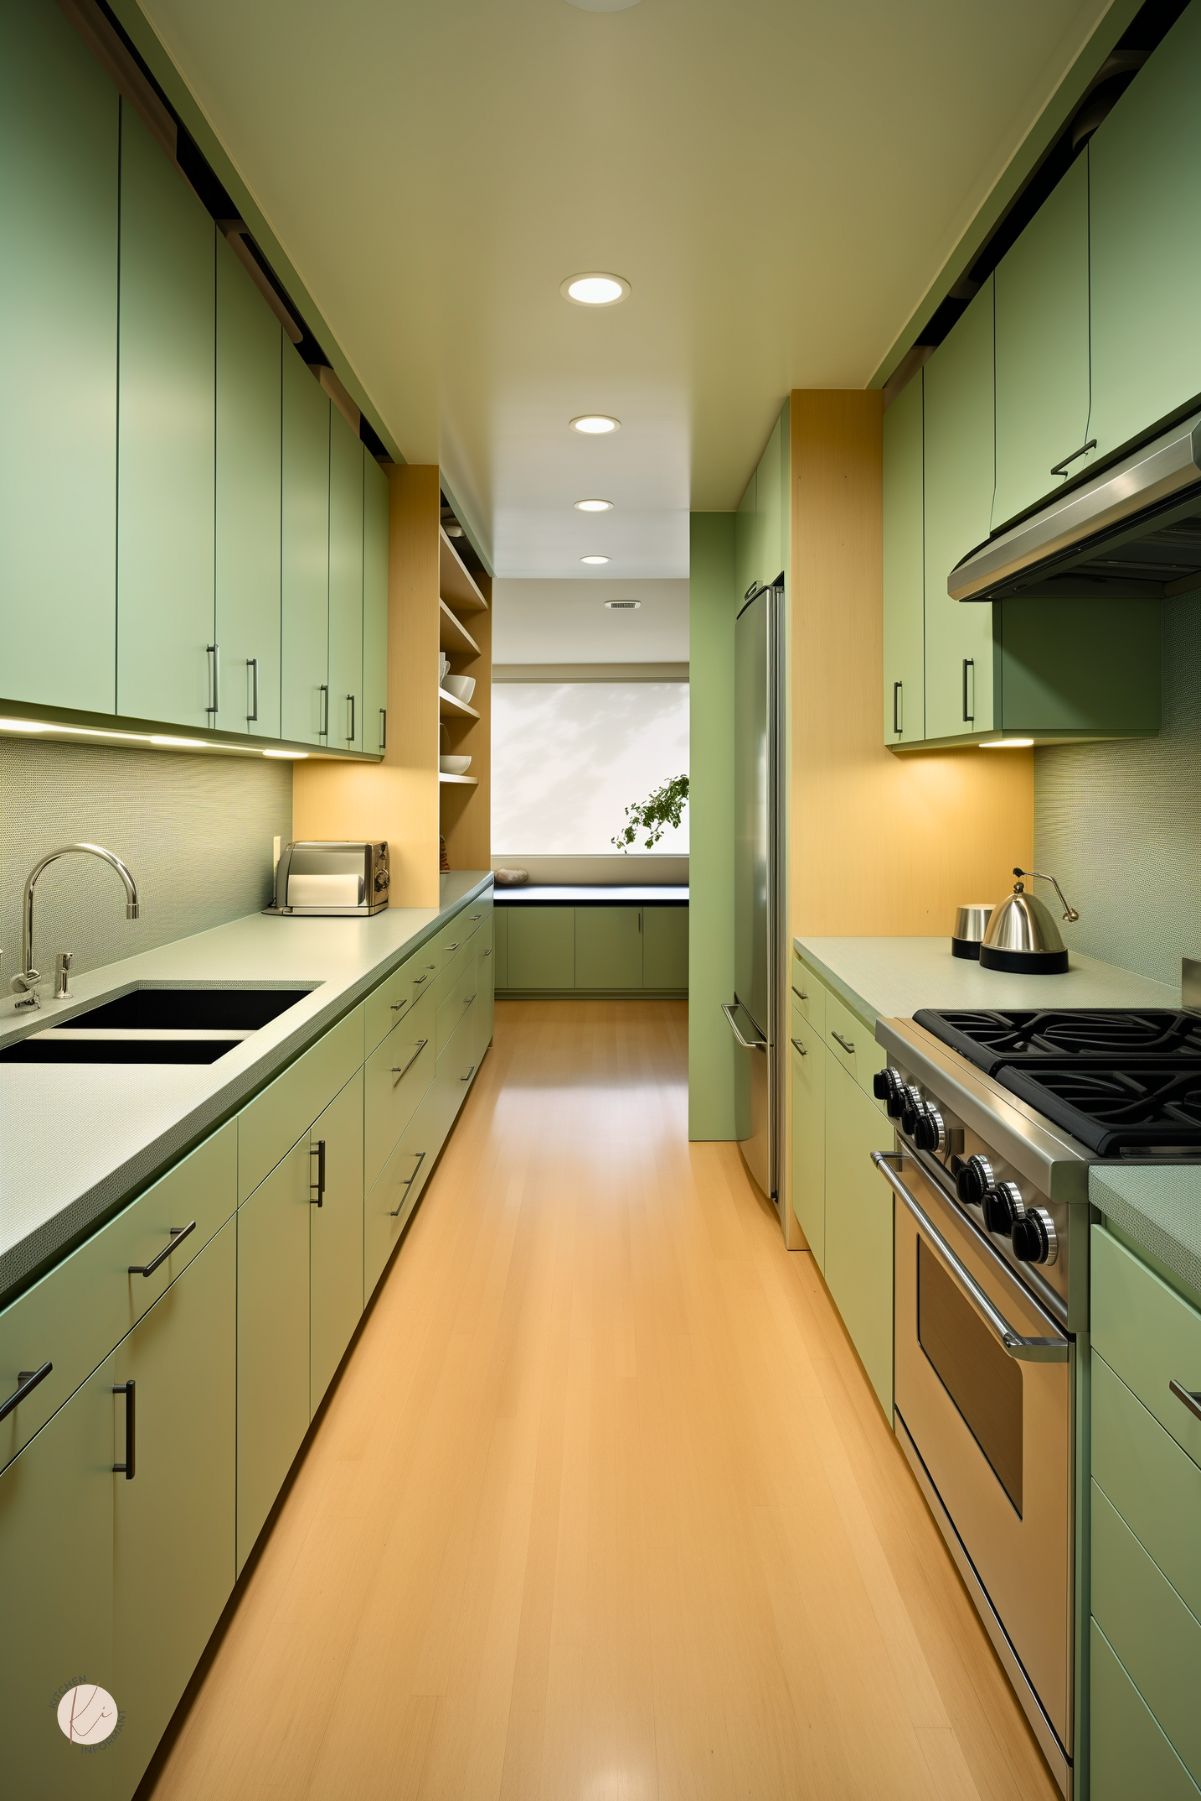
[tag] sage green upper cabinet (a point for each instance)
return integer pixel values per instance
(745, 524)
(165, 485)
(769, 535)
(1145, 244)
(249, 357)
(304, 699)
(345, 585)
(959, 471)
(1042, 360)
(59, 136)
(375, 605)
(174, 1527)
(336, 1234)
(56, 1576)
(904, 570)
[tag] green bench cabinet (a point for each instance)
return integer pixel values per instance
(59, 138)
(592, 949)
(540, 947)
(608, 948)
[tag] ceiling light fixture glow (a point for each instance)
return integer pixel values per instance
(595, 425)
(594, 289)
(596, 561)
(1006, 743)
(594, 506)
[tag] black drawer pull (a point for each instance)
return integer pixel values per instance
(799, 1048)
(406, 1067)
(1061, 468)
(27, 1381)
(128, 1469)
(178, 1234)
(317, 1188)
(1189, 1398)
(406, 1185)
(800, 994)
(846, 1043)
(418, 980)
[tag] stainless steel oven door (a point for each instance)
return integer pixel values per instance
(984, 1394)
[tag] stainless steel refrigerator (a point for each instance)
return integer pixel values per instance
(753, 1014)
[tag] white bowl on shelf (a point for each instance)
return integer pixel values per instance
(454, 765)
(443, 667)
(461, 686)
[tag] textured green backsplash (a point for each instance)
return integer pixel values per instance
(1120, 824)
(195, 830)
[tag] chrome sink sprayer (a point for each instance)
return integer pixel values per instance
(25, 982)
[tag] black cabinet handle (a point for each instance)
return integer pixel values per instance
(406, 1185)
(213, 653)
(323, 728)
(846, 1043)
(383, 728)
(469, 1074)
(897, 716)
(399, 1074)
(317, 1188)
(350, 718)
(969, 714)
(1062, 468)
(128, 1469)
(178, 1234)
(1187, 1397)
(252, 712)
(27, 1381)
(799, 1048)
(800, 994)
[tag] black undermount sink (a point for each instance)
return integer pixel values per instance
(188, 1009)
(47, 1047)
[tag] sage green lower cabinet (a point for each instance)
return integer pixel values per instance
(665, 948)
(395, 1192)
(59, 137)
(807, 1059)
(174, 1516)
(858, 1226)
(166, 439)
(541, 949)
(273, 1337)
(57, 1581)
(1129, 1758)
(304, 643)
(608, 947)
(336, 1235)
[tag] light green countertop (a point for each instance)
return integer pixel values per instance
(1157, 1207)
(890, 978)
(77, 1139)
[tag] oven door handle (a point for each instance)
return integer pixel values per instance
(1015, 1344)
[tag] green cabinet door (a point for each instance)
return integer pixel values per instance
(375, 605)
(541, 947)
(500, 940)
(745, 544)
(1130, 1758)
(807, 1063)
(486, 991)
(858, 1256)
(174, 1524)
(304, 647)
(56, 1577)
(273, 1337)
(1145, 244)
(1042, 363)
(904, 569)
(345, 585)
(958, 389)
(336, 1235)
(665, 948)
(608, 947)
(249, 361)
(59, 135)
(165, 481)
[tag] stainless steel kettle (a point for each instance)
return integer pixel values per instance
(1022, 937)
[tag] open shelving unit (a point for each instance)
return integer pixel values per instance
(465, 634)
(451, 707)
(458, 587)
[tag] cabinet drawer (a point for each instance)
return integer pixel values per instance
(809, 995)
(387, 1005)
(393, 1195)
(845, 1029)
(1154, 1485)
(74, 1316)
(1149, 1334)
(1153, 1634)
(276, 1118)
(808, 1062)
(1129, 1753)
(397, 1076)
(457, 1003)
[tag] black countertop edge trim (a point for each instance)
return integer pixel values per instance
(73, 1224)
(507, 897)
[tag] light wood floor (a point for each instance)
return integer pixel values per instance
(602, 1508)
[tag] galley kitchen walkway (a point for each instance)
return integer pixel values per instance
(602, 1507)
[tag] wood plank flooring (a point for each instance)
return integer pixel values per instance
(602, 1507)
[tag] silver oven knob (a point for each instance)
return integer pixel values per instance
(929, 1131)
(911, 1109)
(973, 1179)
(1003, 1207)
(1034, 1237)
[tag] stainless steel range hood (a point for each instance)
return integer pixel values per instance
(1133, 529)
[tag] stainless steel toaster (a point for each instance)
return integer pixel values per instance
(331, 876)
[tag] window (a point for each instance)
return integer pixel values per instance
(568, 758)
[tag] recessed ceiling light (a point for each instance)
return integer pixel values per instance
(595, 289)
(594, 506)
(287, 756)
(595, 425)
(595, 560)
(1006, 743)
(623, 606)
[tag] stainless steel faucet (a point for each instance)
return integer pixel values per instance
(25, 982)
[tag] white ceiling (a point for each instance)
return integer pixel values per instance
(779, 180)
(567, 621)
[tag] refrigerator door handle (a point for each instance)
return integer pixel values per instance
(748, 1044)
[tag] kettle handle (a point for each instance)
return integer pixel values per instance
(1069, 912)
